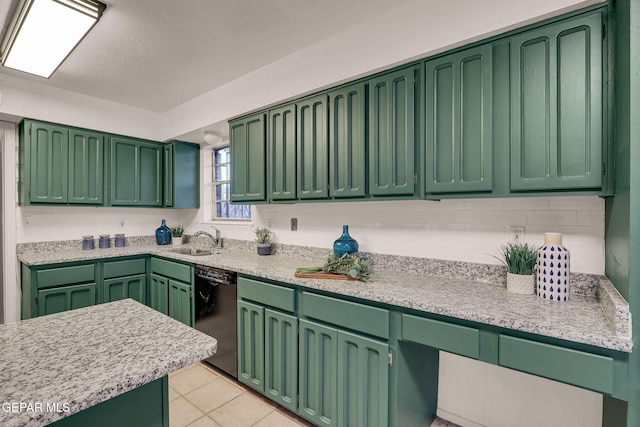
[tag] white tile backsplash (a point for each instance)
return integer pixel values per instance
(461, 230)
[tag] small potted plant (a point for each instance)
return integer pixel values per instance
(176, 233)
(520, 259)
(263, 240)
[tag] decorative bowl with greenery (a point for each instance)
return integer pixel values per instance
(263, 240)
(520, 259)
(176, 233)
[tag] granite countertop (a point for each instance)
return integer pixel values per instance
(86, 356)
(581, 319)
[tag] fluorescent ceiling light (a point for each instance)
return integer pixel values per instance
(42, 33)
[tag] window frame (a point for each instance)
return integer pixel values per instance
(215, 184)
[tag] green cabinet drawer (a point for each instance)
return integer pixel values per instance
(124, 268)
(65, 275)
(456, 339)
(170, 269)
(586, 370)
(369, 320)
(266, 294)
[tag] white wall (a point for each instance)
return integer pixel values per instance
(408, 32)
(463, 230)
(48, 223)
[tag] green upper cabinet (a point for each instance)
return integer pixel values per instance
(248, 159)
(136, 172)
(313, 148)
(86, 167)
(347, 141)
(60, 165)
(181, 175)
(458, 125)
(282, 153)
(556, 101)
(391, 134)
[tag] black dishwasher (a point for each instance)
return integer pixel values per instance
(215, 305)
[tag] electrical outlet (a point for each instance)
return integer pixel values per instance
(121, 223)
(270, 223)
(294, 224)
(517, 234)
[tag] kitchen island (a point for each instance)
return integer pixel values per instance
(100, 365)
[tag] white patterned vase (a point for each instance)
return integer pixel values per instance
(553, 268)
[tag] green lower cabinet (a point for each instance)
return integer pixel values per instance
(171, 289)
(159, 293)
(145, 406)
(318, 373)
(281, 358)
(125, 287)
(251, 345)
(181, 302)
(363, 381)
(55, 300)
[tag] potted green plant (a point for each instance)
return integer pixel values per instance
(520, 259)
(263, 240)
(176, 233)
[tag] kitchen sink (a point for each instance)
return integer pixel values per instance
(193, 251)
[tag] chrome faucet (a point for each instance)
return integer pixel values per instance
(217, 241)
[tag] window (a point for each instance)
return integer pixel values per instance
(222, 207)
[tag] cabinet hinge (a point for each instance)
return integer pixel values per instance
(415, 81)
(390, 359)
(604, 168)
(190, 294)
(415, 180)
(37, 300)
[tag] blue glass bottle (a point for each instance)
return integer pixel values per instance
(345, 244)
(163, 234)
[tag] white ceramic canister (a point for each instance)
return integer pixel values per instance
(553, 269)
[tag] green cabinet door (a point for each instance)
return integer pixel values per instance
(459, 106)
(168, 176)
(86, 167)
(318, 373)
(347, 141)
(282, 153)
(181, 302)
(313, 148)
(47, 150)
(247, 139)
(391, 134)
(281, 358)
(125, 287)
(556, 101)
(136, 172)
(363, 381)
(251, 345)
(181, 175)
(55, 300)
(159, 293)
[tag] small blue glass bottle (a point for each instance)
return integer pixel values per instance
(163, 234)
(345, 244)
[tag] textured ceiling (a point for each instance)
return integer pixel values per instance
(158, 54)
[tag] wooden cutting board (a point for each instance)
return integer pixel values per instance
(323, 275)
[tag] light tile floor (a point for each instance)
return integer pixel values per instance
(200, 396)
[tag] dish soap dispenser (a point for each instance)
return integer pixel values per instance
(163, 234)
